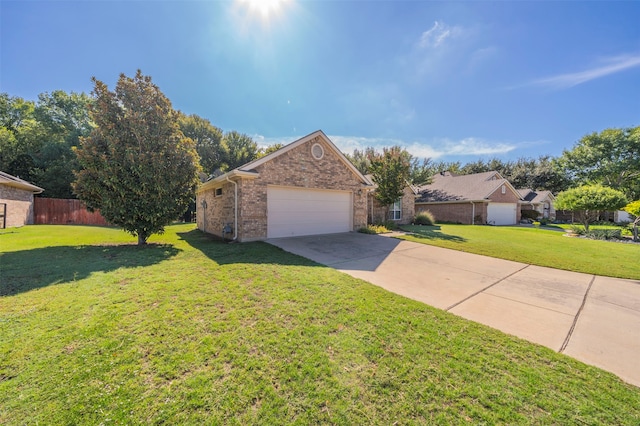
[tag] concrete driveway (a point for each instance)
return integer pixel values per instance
(591, 318)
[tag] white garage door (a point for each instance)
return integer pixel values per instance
(293, 211)
(502, 213)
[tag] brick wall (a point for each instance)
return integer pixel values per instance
(19, 206)
(379, 213)
(456, 212)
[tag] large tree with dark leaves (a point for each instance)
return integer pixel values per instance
(137, 166)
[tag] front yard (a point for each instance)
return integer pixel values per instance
(189, 330)
(535, 246)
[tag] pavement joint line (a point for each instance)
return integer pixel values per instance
(486, 288)
(575, 319)
(529, 304)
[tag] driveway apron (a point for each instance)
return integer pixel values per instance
(591, 318)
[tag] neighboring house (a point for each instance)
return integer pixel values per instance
(481, 198)
(540, 201)
(16, 201)
(402, 211)
(305, 188)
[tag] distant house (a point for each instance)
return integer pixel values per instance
(481, 198)
(402, 211)
(308, 187)
(539, 201)
(16, 201)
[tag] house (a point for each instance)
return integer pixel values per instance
(16, 201)
(305, 188)
(481, 198)
(539, 201)
(401, 212)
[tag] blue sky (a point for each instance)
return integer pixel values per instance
(454, 81)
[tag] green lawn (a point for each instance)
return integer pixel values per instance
(189, 330)
(535, 246)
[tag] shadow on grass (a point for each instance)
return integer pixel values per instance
(432, 233)
(224, 253)
(22, 271)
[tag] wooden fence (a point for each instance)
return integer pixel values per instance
(58, 211)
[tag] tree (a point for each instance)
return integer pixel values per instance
(270, 149)
(208, 140)
(633, 209)
(240, 149)
(611, 157)
(137, 166)
(390, 171)
(588, 201)
(361, 159)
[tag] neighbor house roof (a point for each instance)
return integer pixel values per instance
(448, 187)
(535, 197)
(16, 182)
(374, 185)
(248, 170)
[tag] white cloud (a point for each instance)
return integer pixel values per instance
(613, 65)
(438, 34)
(434, 149)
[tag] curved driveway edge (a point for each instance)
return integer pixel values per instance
(591, 318)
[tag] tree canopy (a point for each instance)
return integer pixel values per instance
(208, 140)
(633, 208)
(611, 157)
(588, 201)
(137, 166)
(390, 171)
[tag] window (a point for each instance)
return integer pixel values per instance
(396, 210)
(317, 151)
(504, 189)
(218, 192)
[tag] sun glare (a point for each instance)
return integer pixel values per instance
(263, 8)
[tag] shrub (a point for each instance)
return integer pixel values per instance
(530, 214)
(424, 218)
(578, 230)
(390, 225)
(373, 229)
(604, 234)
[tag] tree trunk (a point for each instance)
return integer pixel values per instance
(142, 240)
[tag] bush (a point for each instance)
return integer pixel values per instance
(578, 230)
(530, 214)
(424, 218)
(604, 234)
(373, 229)
(390, 225)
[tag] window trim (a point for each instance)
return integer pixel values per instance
(396, 211)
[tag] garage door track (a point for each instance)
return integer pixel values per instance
(592, 318)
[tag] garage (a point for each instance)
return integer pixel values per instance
(302, 211)
(502, 213)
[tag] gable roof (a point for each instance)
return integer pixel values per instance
(447, 187)
(535, 197)
(16, 182)
(374, 185)
(248, 170)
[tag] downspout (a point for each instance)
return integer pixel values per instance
(235, 209)
(473, 213)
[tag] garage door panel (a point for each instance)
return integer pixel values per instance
(502, 213)
(295, 211)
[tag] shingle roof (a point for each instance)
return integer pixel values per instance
(534, 197)
(448, 187)
(16, 182)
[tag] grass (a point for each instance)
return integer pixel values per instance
(536, 246)
(189, 330)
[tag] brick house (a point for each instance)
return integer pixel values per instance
(16, 201)
(480, 198)
(402, 212)
(538, 201)
(305, 188)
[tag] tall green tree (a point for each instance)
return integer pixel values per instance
(588, 201)
(611, 157)
(633, 208)
(137, 166)
(208, 140)
(390, 172)
(240, 149)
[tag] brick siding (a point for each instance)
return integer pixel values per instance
(19, 206)
(295, 168)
